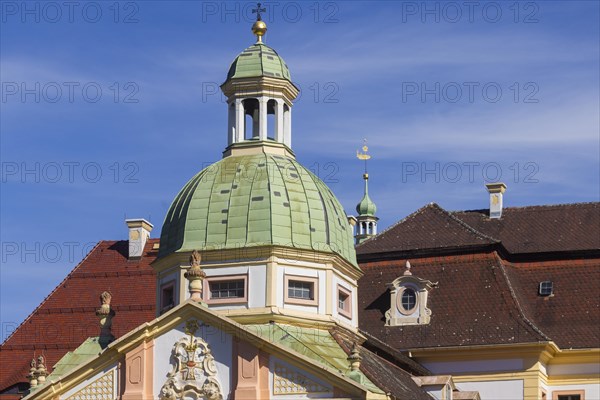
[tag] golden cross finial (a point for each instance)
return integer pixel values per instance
(258, 10)
(259, 28)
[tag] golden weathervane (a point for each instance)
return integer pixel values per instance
(364, 154)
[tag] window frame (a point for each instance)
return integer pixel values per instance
(399, 304)
(206, 292)
(314, 281)
(347, 311)
(163, 286)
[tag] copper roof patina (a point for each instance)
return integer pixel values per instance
(257, 200)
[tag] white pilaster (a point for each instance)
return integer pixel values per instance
(262, 118)
(279, 121)
(231, 123)
(287, 139)
(239, 120)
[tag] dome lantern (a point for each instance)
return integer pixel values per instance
(259, 93)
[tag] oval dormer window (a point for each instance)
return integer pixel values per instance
(407, 301)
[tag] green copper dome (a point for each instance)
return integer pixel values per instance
(258, 60)
(256, 200)
(366, 206)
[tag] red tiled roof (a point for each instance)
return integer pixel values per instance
(521, 230)
(67, 316)
(472, 303)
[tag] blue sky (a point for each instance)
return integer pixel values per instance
(108, 109)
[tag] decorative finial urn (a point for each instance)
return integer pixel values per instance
(32, 376)
(195, 275)
(105, 314)
(37, 373)
(354, 358)
(42, 373)
(407, 268)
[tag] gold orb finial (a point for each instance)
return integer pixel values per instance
(259, 28)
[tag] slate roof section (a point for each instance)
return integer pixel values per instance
(66, 318)
(564, 228)
(570, 316)
(430, 227)
(472, 304)
(540, 229)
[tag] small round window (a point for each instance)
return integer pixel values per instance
(407, 300)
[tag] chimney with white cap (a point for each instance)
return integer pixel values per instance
(139, 233)
(496, 190)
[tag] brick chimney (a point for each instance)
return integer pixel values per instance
(139, 233)
(496, 190)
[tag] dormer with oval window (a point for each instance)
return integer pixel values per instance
(408, 300)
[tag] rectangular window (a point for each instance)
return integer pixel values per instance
(344, 302)
(568, 395)
(167, 296)
(301, 290)
(225, 289)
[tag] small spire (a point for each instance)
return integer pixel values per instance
(366, 205)
(259, 28)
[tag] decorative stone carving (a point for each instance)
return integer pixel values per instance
(105, 314)
(194, 369)
(32, 376)
(42, 373)
(195, 276)
(37, 373)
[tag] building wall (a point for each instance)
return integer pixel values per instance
(525, 378)
(495, 390)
